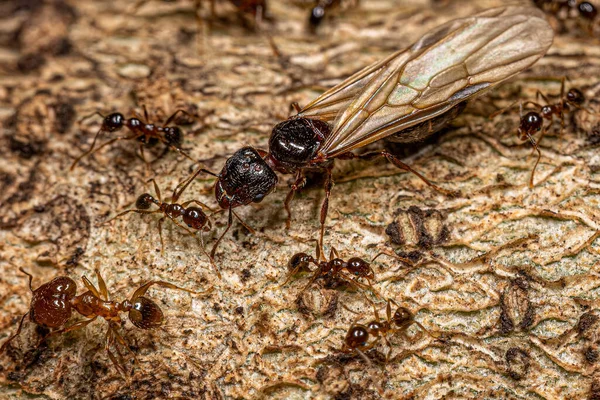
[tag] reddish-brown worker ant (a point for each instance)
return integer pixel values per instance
(533, 121)
(53, 303)
(406, 97)
(334, 271)
(142, 131)
(361, 338)
(193, 217)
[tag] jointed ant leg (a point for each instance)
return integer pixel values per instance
(5, 344)
(199, 203)
(535, 146)
(144, 288)
(131, 211)
(325, 205)
(168, 121)
(91, 150)
(296, 186)
(75, 326)
(229, 223)
(179, 189)
(398, 163)
(90, 286)
(157, 190)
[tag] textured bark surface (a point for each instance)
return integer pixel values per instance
(507, 275)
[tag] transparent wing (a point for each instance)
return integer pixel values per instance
(453, 63)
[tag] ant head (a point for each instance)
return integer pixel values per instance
(587, 10)
(402, 316)
(359, 267)
(173, 136)
(530, 123)
(317, 15)
(144, 201)
(356, 337)
(295, 142)
(145, 314)
(194, 217)
(113, 122)
(51, 302)
(574, 96)
(299, 262)
(246, 178)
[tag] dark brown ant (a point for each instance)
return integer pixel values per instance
(142, 131)
(533, 121)
(194, 217)
(319, 12)
(336, 268)
(583, 9)
(53, 303)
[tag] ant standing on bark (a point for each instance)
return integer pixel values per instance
(583, 9)
(194, 217)
(53, 303)
(533, 121)
(358, 336)
(348, 272)
(141, 130)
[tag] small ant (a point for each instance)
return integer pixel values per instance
(331, 270)
(584, 9)
(142, 131)
(358, 336)
(194, 217)
(53, 303)
(533, 121)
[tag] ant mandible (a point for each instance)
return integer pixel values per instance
(52, 305)
(336, 268)
(194, 217)
(533, 121)
(142, 131)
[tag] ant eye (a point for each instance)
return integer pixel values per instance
(145, 314)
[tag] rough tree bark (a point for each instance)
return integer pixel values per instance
(513, 287)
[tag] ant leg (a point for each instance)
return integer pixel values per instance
(91, 150)
(178, 150)
(325, 205)
(30, 278)
(89, 286)
(201, 204)
(229, 223)
(5, 344)
(75, 326)
(179, 189)
(535, 146)
(101, 285)
(162, 243)
(562, 87)
(109, 341)
(175, 113)
(539, 94)
(296, 107)
(117, 336)
(252, 231)
(144, 288)
(212, 261)
(87, 152)
(502, 110)
(396, 161)
(90, 115)
(296, 186)
(130, 211)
